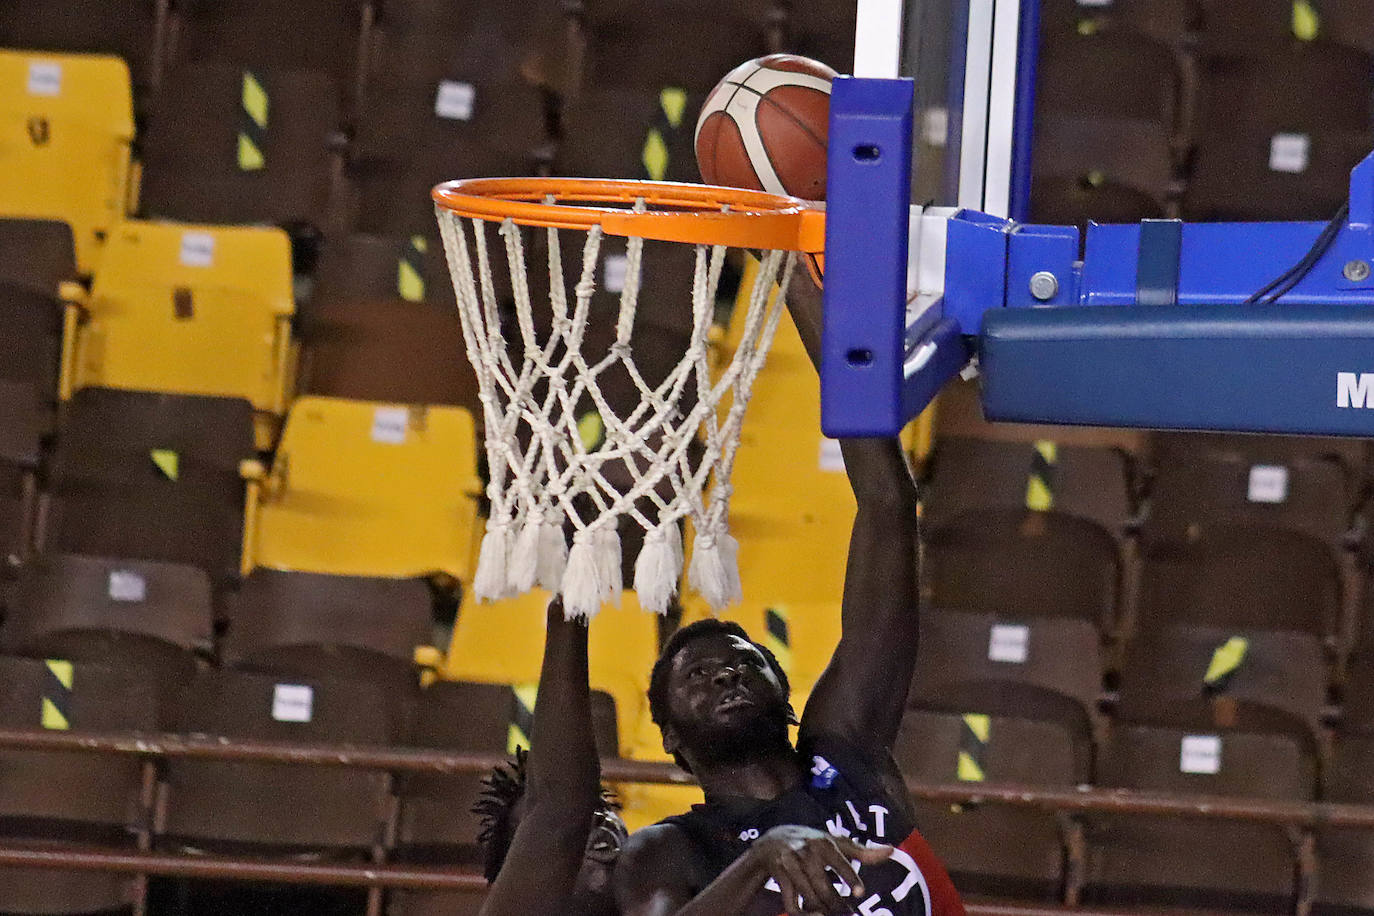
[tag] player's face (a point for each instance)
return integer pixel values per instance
(721, 688)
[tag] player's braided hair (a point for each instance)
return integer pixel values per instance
(502, 790)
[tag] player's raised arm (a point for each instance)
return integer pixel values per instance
(860, 697)
(563, 784)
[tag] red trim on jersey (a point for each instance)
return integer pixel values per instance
(944, 899)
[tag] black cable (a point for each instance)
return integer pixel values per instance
(1286, 281)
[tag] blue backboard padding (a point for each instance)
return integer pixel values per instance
(867, 221)
(1271, 369)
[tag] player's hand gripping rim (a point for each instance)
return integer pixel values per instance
(807, 864)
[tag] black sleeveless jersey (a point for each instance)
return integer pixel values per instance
(844, 796)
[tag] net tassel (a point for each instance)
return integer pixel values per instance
(608, 555)
(490, 583)
(658, 567)
(553, 553)
(523, 567)
(582, 587)
(714, 572)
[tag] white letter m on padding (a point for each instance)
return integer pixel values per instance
(1354, 389)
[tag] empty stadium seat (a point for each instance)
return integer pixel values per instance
(382, 326)
(631, 132)
(1308, 122)
(1059, 655)
(214, 303)
(624, 45)
(1081, 76)
(1137, 860)
(1350, 454)
(1347, 22)
(68, 126)
(1181, 662)
(261, 33)
(1345, 856)
(1085, 163)
(437, 824)
(439, 107)
(150, 476)
(228, 143)
(822, 30)
(972, 838)
(502, 642)
(123, 28)
(67, 800)
(1260, 25)
(1169, 21)
(367, 489)
(226, 805)
(332, 626)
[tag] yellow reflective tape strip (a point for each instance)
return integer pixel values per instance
(591, 430)
(254, 100)
(1226, 658)
(655, 155)
(522, 717)
(409, 284)
(969, 770)
(1040, 481)
(674, 104)
(973, 740)
(250, 155)
(56, 701)
(168, 462)
(1307, 23)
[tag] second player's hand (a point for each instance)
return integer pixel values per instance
(806, 864)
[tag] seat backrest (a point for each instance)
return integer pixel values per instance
(1259, 26)
(1308, 87)
(1080, 199)
(211, 302)
(60, 695)
(970, 475)
(1352, 455)
(56, 593)
(1035, 564)
(36, 254)
(126, 28)
(363, 268)
(211, 801)
(344, 499)
(1348, 22)
(1250, 578)
(68, 123)
(1080, 75)
(502, 642)
(822, 30)
(1169, 21)
(1174, 662)
(1058, 654)
(943, 747)
(472, 717)
(631, 132)
(213, 431)
(1101, 150)
(276, 608)
(227, 143)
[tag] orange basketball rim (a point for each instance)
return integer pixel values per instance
(663, 211)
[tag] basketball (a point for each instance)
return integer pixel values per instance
(764, 127)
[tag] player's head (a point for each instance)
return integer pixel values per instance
(502, 807)
(718, 695)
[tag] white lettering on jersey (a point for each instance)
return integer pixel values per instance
(879, 820)
(836, 827)
(854, 813)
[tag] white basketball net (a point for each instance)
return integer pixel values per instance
(533, 488)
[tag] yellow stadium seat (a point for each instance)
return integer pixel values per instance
(367, 489)
(503, 643)
(188, 309)
(66, 125)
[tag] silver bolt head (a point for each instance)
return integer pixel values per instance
(1356, 270)
(1044, 286)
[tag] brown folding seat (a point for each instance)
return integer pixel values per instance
(440, 106)
(1097, 152)
(262, 33)
(1255, 26)
(1082, 76)
(1348, 22)
(1351, 455)
(1308, 121)
(1186, 663)
(1038, 564)
(72, 800)
(631, 132)
(1141, 860)
(128, 28)
(382, 326)
(436, 903)
(625, 46)
(308, 624)
(1169, 21)
(975, 747)
(1062, 655)
(228, 143)
(151, 476)
(1357, 707)
(1242, 578)
(281, 808)
(1080, 199)
(821, 29)
(1345, 856)
(970, 475)
(437, 825)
